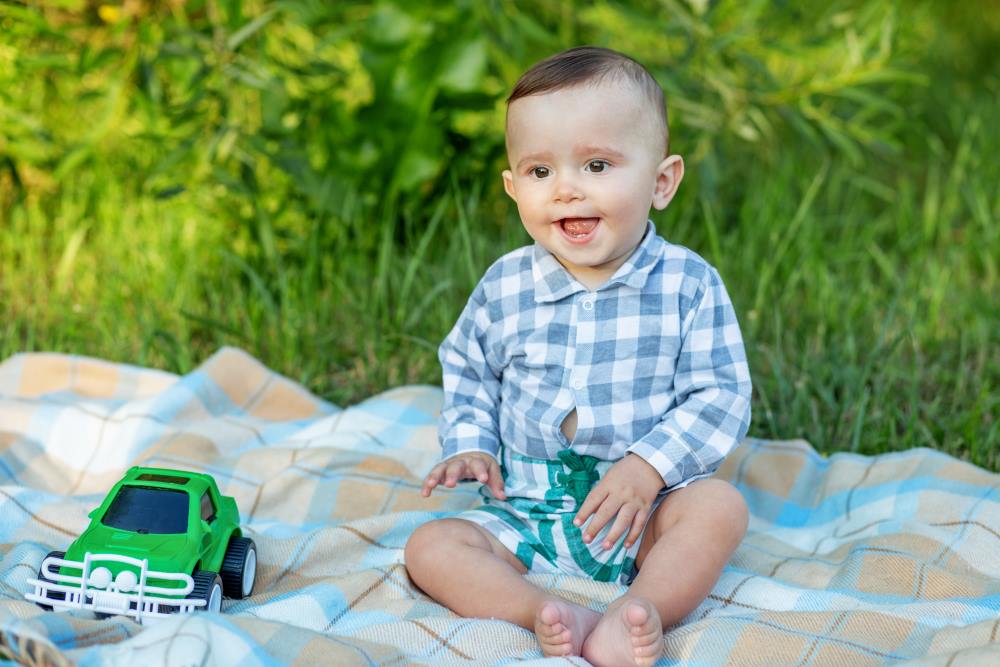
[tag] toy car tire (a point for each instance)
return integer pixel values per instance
(53, 595)
(239, 568)
(207, 587)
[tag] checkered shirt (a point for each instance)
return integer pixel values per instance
(653, 361)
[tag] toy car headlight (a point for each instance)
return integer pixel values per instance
(100, 577)
(126, 581)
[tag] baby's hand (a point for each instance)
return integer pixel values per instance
(470, 465)
(625, 494)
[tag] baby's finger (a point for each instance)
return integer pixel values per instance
(496, 480)
(433, 479)
(477, 468)
(608, 509)
(638, 523)
(590, 503)
(455, 472)
(621, 524)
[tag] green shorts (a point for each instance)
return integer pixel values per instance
(536, 521)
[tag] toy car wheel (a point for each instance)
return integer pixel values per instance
(52, 595)
(239, 568)
(207, 587)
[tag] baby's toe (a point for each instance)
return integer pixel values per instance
(552, 633)
(549, 615)
(645, 632)
(647, 638)
(638, 616)
(561, 627)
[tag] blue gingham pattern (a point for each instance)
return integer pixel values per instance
(849, 560)
(652, 361)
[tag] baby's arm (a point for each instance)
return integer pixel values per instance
(711, 416)
(712, 386)
(468, 429)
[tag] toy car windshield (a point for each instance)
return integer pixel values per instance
(148, 511)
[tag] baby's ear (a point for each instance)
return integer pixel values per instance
(669, 174)
(508, 183)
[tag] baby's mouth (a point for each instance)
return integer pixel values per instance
(578, 227)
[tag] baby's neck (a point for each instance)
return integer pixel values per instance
(590, 277)
(593, 277)
(591, 283)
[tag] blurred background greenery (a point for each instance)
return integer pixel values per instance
(318, 183)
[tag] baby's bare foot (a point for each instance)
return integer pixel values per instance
(562, 627)
(629, 633)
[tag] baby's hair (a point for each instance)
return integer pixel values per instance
(591, 64)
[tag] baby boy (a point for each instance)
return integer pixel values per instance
(593, 383)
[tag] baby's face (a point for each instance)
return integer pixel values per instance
(586, 165)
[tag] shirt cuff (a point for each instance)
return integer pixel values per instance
(453, 446)
(674, 460)
(494, 455)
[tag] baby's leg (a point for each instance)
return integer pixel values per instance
(687, 543)
(463, 567)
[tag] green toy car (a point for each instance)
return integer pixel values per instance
(162, 542)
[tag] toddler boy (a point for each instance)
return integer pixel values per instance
(593, 383)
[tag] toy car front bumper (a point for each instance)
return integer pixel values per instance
(62, 591)
(107, 602)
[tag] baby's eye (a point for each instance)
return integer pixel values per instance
(539, 172)
(597, 166)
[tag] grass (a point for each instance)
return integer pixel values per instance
(865, 302)
(865, 286)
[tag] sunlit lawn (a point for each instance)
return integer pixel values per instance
(866, 290)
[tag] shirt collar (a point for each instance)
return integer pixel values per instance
(553, 282)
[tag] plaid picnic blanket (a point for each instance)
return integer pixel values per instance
(850, 560)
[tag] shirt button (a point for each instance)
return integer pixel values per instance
(588, 304)
(578, 383)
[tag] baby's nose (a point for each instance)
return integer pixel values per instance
(567, 190)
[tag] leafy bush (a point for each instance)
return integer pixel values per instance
(339, 111)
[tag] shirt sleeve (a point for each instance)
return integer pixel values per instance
(712, 385)
(470, 414)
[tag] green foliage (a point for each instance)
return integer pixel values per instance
(318, 182)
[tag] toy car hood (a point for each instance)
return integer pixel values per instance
(164, 551)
